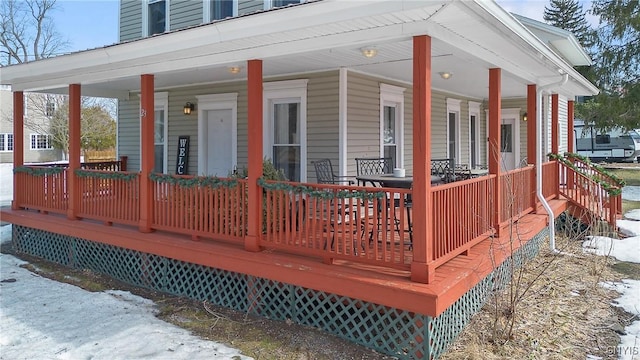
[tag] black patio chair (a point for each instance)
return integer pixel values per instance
(373, 166)
(325, 175)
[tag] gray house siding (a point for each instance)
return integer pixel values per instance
(129, 131)
(130, 20)
(249, 6)
(185, 13)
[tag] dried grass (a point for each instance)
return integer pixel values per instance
(565, 314)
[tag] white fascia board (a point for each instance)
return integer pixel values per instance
(183, 42)
(497, 13)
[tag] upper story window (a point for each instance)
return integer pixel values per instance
(155, 16)
(41, 142)
(269, 4)
(221, 9)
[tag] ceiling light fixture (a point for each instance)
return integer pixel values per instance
(234, 69)
(369, 52)
(445, 75)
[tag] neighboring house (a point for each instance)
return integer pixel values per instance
(37, 144)
(413, 81)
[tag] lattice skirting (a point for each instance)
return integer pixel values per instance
(396, 332)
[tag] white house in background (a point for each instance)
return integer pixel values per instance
(37, 144)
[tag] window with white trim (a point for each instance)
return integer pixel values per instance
(219, 9)
(285, 127)
(160, 132)
(41, 142)
(6, 142)
(392, 123)
(155, 17)
(453, 129)
(474, 133)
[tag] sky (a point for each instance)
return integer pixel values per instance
(101, 28)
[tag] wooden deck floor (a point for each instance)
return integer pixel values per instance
(373, 284)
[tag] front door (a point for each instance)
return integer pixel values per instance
(507, 143)
(219, 142)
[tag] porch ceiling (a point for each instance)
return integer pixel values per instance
(468, 39)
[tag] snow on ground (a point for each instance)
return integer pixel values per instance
(627, 249)
(45, 319)
(6, 184)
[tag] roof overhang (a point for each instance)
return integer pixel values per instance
(468, 39)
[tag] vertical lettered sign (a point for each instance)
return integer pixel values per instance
(183, 155)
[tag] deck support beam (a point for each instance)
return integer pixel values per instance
(495, 155)
(255, 108)
(18, 144)
(147, 119)
(422, 269)
(532, 113)
(74, 151)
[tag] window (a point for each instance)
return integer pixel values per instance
(392, 123)
(6, 142)
(40, 142)
(220, 9)
(156, 17)
(453, 129)
(285, 135)
(474, 145)
(603, 139)
(50, 109)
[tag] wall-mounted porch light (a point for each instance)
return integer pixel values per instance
(445, 75)
(188, 108)
(369, 52)
(524, 117)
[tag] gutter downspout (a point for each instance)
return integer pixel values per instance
(543, 201)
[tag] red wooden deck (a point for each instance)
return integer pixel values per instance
(382, 285)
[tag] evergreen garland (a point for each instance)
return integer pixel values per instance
(320, 193)
(610, 189)
(197, 181)
(586, 160)
(38, 171)
(110, 175)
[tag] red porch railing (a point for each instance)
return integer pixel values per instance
(42, 189)
(199, 209)
(461, 216)
(365, 225)
(582, 190)
(517, 189)
(600, 176)
(109, 196)
(550, 179)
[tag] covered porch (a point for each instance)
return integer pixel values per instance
(355, 241)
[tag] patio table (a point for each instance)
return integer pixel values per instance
(388, 180)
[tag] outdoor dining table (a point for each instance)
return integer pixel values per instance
(388, 180)
(478, 172)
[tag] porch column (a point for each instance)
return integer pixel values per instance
(18, 144)
(147, 111)
(570, 134)
(422, 269)
(495, 156)
(254, 99)
(554, 124)
(532, 138)
(74, 151)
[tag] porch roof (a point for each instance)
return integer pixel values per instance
(469, 37)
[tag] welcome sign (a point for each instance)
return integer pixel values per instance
(182, 163)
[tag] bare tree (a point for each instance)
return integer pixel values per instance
(27, 31)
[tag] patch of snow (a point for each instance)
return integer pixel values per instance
(45, 319)
(5, 233)
(629, 227)
(622, 249)
(629, 347)
(633, 215)
(6, 179)
(631, 193)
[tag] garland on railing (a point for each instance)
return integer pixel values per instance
(611, 190)
(196, 181)
(320, 193)
(38, 171)
(109, 175)
(604, 171)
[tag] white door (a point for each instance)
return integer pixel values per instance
(508, 143)
(219, 142)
